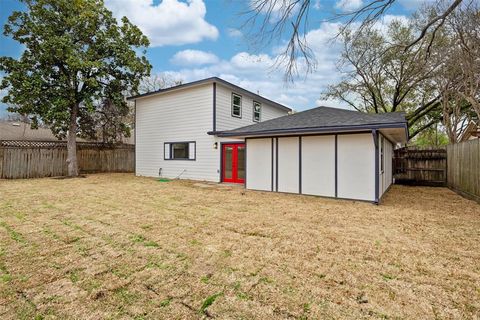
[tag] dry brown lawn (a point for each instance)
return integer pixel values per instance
(119, 246)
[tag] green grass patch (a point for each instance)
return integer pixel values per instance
(165, 303)
(138, 238)
(14, 235)
(128, 297)
(209, 301)
(387, 277)
(74, 276)
(206, 279)
(152, 244)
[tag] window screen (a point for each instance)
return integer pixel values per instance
(257, 108)
(179, 150)
(236, 105)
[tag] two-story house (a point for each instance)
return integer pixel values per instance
(214, 130)
(175, 130)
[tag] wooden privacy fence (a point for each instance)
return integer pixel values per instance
(420, 166)
(464, 168)
(36, 159)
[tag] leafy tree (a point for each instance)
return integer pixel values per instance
(432, 136)
(380, 76)
(76, 54)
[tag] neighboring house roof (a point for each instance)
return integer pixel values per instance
(21, 131)
(16, 130)
(212, 80)
(471, 132)
(321, 119)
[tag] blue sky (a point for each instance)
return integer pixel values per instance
(195, 39)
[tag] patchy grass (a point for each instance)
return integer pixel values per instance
(118, 246)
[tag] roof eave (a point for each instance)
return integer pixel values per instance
(212, 80)
(294, 131)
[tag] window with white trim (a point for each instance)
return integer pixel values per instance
(236, 105)
(257, 110)
(179, 150)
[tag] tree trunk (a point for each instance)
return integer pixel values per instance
(72, 162)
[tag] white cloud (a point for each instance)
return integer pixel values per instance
(193, 57)
(172, 22)
(234, 33)
(275, 8)
(348, 5)
(255, 73)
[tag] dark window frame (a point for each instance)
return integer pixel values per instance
(170, 150)
(241, 103)
(259, 111)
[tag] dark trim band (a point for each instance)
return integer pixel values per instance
(300, 164)
(276, 164)
(336, 166)
(272, 162)
(214, 106)
(377, 175)
(298, 131)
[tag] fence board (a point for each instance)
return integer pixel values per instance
(420, 166)
(464, 168)
(36, 159)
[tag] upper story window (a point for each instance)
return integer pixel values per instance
(236, 105)
(257, 110)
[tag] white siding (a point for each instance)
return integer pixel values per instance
(225, 120)
(385, 177)
(318, 165)
(288, 164)
(259, 164)
(187, 115)
(356, 166)
(184, 115)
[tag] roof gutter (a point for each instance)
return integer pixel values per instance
(309, 130)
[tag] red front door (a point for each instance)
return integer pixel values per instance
(233, 162)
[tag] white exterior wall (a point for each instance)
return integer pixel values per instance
(259, 164)
(225, 120)
(288, 164)
(318, 165)
(385, 177)
(187, 115)
(356, 166)
(176, 116)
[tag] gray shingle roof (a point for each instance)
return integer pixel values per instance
(321, 119)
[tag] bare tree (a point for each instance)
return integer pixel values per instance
(457, 50)
(157, 82)
(273, 20)
(465, 52)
